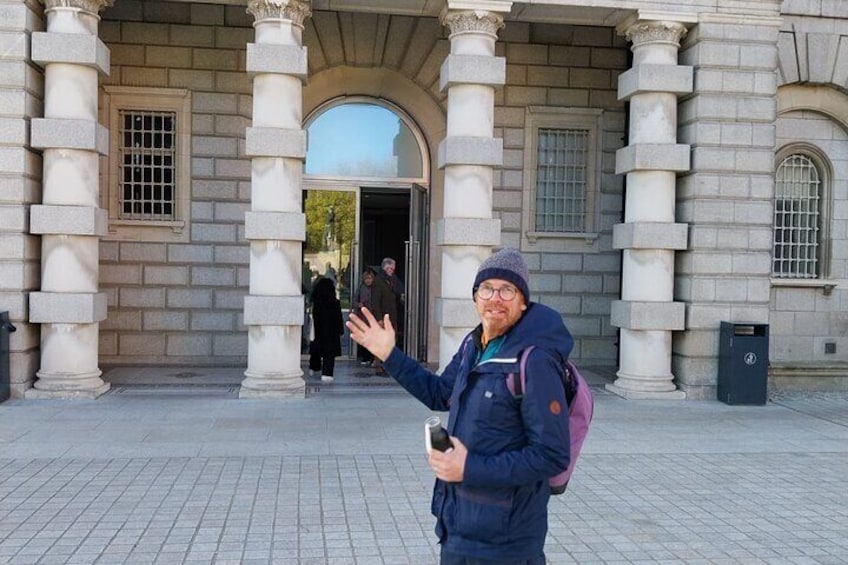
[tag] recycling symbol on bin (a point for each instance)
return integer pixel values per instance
(750, 358)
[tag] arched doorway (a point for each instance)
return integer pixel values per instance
(366, 188)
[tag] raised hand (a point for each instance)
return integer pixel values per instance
(378, 337)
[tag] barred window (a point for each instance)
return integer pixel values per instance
(146, 178)
(148, 165)
(797, 218)
(561, 180)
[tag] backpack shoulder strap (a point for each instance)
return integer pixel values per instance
(517, 385)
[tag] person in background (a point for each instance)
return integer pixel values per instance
(383, 304)
(388, 273)
(306, 278)
(491, 493)
(328, 326)
(330, 273)
(361, 299)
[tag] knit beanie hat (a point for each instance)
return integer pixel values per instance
(507, 264)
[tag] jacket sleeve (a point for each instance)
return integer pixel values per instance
(376, 306)
(389, 304)
(434, 391)
(544, 413)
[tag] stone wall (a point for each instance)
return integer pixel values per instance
(181, 303)
(573, 67)
(803, 319)
(21, 98)
(727, 197)
(813, 75)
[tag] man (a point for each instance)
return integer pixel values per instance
(389, 268)
(388, 273)
(381, 304)
(491, 493)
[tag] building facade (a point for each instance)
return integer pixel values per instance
(173, 175)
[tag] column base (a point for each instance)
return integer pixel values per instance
(67, 394)
(641, 387)
(272, 386)
(645, 394)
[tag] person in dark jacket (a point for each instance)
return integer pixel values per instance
(329, 327)
(491, 493)
(388, 273)
(383, 303)
(382, 299)
(362, 299)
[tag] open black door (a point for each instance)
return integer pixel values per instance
(395, 223)
(415, 255)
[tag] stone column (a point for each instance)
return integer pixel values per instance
(649, 236)
(275, 226)
(70, 222)
(468, 153)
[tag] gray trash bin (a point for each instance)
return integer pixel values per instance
(6, 328)
(743, 363)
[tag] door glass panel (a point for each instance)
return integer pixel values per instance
(362, 140)
(330, 245)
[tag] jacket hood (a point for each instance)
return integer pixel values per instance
(540, 326)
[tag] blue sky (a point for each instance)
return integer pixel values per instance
(349, 135)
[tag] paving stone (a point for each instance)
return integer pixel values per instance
(659, 482)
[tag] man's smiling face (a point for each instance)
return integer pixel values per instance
(496, 314)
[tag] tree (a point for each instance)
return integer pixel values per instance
(318, 204)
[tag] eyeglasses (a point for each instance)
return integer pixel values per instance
(506, 293)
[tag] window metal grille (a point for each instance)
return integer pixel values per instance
(561, 179)
(797, 218)
(147, 173)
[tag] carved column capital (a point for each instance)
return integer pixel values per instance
(645, 32)
(295, 11)
(91, 6)
(473, 21)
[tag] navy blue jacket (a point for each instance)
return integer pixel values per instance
(500, 509)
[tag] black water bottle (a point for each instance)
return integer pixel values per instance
(439, 439)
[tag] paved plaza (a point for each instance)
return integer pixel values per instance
(163, 473)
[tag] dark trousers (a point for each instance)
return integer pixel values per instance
(450, 558)
(363, 354)
(323, 365)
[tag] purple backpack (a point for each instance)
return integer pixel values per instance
(580, 409)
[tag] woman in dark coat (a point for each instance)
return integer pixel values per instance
(361, 299)
(329, 327)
